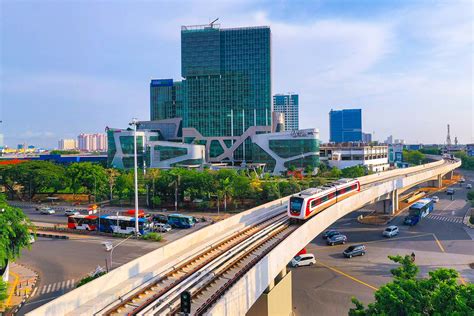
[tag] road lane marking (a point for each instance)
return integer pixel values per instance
(34, 292)
(54, 287)
(439, 243)
(15, 283)
(49, 288)
(347, 275)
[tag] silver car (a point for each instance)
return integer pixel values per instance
(390, 231)
(47, 211)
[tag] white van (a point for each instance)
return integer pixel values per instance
(306, 259)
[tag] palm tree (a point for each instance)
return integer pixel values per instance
(226, 189)
(152, 174)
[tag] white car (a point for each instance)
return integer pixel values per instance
(32, 239)
(47, 211)
(469, 186)
(435, 199)
(390, 231)
(163, 228)
(71, 212)
(303, 260)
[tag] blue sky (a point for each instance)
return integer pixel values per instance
(77, 66)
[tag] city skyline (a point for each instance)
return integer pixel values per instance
(415, 64)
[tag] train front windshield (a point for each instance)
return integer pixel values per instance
(296, 204)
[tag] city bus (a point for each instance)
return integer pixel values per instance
(421, 208)
(123, 224)
(180, 221)
(82, 222)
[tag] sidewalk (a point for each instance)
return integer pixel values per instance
(21, 285)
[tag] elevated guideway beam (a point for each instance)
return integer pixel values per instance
(239, 298)
(110, 289)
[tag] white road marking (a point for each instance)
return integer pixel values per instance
(34, 292)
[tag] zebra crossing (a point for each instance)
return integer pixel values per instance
(54, 287)
(450, 219)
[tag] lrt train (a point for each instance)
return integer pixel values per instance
(310, 202)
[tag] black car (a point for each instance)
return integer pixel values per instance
(329, 233)
(160, 218)
(354, 250)
(337, 239)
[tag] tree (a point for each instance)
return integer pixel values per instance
(3, 291)
(409, 295)
(353, 172)
(112, 175)
(151, 176)
(413, 156)
(14, 231)
(32, 177)
(335, 173)
(88, 177)
(309, 169)
(124, 185)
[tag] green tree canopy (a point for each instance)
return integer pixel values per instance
(413, 156)
(407, 294)
(14, 231)
(32, 177)
(335, 173)
(354, 172)
(88, 177)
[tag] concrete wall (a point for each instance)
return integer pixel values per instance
(93, 296)
(6, 272)
(239, 298)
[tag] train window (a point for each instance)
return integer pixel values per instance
(354, 186)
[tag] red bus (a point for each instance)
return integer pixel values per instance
(82, 222)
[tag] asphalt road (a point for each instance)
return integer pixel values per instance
(61, 263)
(440, 240)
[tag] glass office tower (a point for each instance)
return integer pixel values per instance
(227, 80)
(345, 126)
(166, 99)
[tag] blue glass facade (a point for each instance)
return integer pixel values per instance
(166, 99)
(345, 126)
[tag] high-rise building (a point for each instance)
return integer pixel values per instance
(227, 85)
(345, 125)
(67, 144)
(92, 142)
(166, 99)
(288, 104)
(366, 137)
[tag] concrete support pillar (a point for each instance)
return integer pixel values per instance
(277, 299)
(439, 181)
(449, 175)
(394, 208)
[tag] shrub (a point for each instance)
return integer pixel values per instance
(152, 236)
(470, 195)
(89, 278)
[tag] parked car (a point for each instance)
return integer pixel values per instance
(303, 260)
(31, 239)
(71, 212)
(160, 218)
(462, 180)
(435, 199)
(411, 220)
(337, 239)
(450, 191)
(330, 233)
(47, 211)
(390, 231)
(354, 250)
(469, 186)
(163, 228)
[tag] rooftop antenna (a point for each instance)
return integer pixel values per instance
(212, 23)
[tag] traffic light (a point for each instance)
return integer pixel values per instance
(186, 302)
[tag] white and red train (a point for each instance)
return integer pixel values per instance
(311, 201)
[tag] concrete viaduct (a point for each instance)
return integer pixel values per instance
(265, 287)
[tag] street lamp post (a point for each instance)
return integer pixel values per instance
(134, 123)
(109, 246)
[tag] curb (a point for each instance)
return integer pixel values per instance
(27, 297)
(52, 236)
(467, 217)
